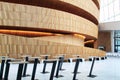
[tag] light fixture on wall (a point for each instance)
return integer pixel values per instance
(25, 33)
(89, 41)
(78, 35)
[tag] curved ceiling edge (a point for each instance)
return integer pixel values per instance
(58, 5)
(96, 3)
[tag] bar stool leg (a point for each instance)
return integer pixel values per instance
(53, 70)
(90, 74)
(76, 69)
(58, 68)
(7, 70)
(44, 67)
(19, 74)
(25, 68)
(34, 69)
(62, 60)
(2, 68)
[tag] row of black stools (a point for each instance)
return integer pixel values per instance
(59, 66)
(23, 66)
(75, 72)
(98, 58)
(44, 68)
(20, 68)
(36, 60)
(77, 65)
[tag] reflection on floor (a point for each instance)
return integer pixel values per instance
(107, 69)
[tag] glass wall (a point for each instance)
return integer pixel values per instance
(117, 41)
(109, 10)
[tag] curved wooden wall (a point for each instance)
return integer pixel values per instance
(64, 17)
(17, 40)
(58, 5)
(38, 17)
(88, 6)
(64, 39)
(15, 46)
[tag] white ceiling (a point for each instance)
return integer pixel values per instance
(109, 26)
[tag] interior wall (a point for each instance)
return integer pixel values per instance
(104, 39)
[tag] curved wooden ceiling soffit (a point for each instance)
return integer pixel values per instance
(37, 32)
(97, 3)
(58, 5)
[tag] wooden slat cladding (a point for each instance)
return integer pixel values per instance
(88, 6)
(26, 17)
(56, 4)
(15, 47)
(68, 39)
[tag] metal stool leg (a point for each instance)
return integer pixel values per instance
(44, 67)
(2, 68)
(7, 70)
(58, 69)
(25, 68)
(34, 69)
(19, 74)
(76, 69)
(90, 74)
(62, 60)
(53, 70)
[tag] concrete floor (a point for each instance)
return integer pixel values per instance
(108, 69)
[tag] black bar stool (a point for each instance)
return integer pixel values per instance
(20, 69)
(76, 64)
(97, 58)
(36, 60)
(105, 57)
(58, 67)
(102, 58)
(53, 67)
(44, 67)
(90, 73)
(90, 59)
(19, 74)
(62, 60)
(76, 68)
(25, 67)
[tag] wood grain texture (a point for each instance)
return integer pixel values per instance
(88, 6)
(104, 39)
(16, 46)
(59, 19)
(68, 7)
(39, 17)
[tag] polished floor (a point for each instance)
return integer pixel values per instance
(108, 69)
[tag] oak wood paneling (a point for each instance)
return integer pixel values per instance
(16, 46)
(18, 15)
